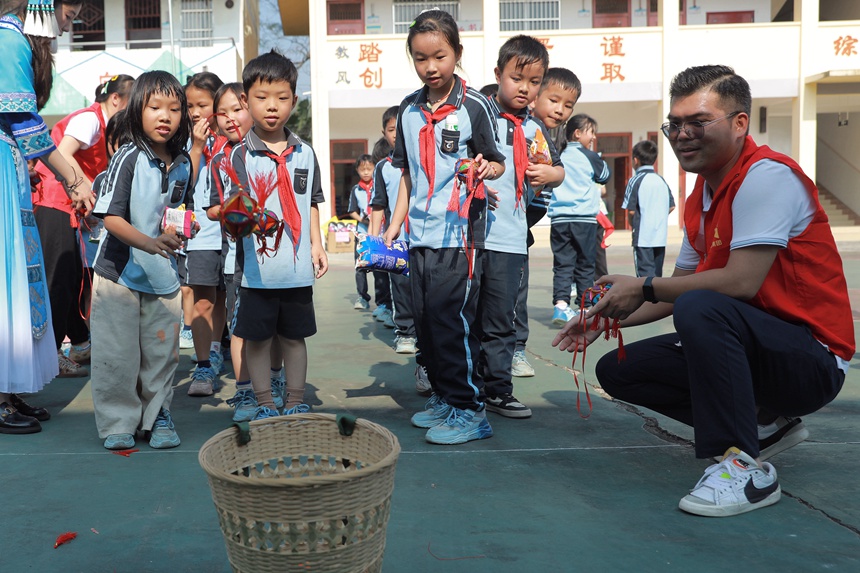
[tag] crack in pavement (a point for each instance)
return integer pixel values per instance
(652, 426)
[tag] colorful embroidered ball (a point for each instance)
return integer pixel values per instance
(268, 223)
(462, 169)
(237, 215)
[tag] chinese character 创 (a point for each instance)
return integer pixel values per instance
(372, 78)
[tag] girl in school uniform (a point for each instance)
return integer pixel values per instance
(441, 123)
(136, 301)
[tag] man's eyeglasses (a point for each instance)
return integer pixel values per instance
(693, 129)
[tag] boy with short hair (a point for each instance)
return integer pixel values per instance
(519, 72)
(648, 201)
(559, 92)
(276, 298)
(386, 184)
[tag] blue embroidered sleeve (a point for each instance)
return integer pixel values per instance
(31, 134)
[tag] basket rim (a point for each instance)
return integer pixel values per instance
(310, 481)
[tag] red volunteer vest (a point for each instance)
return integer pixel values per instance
(806, 284)
(92, 160)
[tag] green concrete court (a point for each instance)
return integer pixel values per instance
(551, 493)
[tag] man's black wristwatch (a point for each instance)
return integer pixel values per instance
(648, 290)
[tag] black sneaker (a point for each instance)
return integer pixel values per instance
(780, 435)
(508, 406)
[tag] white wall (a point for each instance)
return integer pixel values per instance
(838, 158)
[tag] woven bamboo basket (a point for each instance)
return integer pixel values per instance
(300, 496)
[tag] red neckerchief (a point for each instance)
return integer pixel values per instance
(368, 188)
(427, 142)
(289, 207)
(521, 152)
(227, 148)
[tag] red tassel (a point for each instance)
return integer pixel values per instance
(65, 538)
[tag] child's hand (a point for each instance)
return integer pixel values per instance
(165, 244)
(492, 198)
(320, 260)
(391, 235)
(214, 213)
(200, 132)
(483, 169)
(540, 174)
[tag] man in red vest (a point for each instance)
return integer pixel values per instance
(764, 330)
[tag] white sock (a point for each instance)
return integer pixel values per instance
(215, 347)
(561, 304)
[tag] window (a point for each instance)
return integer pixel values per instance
(405, 12)
(529, 15)
(611, 14)
(345, 17)
(89, 27)
(143, 22)
(196, 23)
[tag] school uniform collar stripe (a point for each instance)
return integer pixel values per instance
(254, 143)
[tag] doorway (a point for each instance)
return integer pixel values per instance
(344, 152)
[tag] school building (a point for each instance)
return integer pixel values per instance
(183, 37)
(801, 57)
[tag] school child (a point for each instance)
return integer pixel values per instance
(360, 209)
(136, 301)
(276, 295)
(202, 272)
(438, 125)
(386, 184)
(573, 209)
(559, 92)
(519, 72)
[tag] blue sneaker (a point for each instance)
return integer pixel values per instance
(185, 339)
(560, 316)
(202, 382)
(279, 390)
(386, 318)
(361, 304)
(119, 442)
(164, 434)
(217, 361)
(245, 403)
(435, 412)
(262, 412)
(298, 409)
(459, 427)
(377, 312)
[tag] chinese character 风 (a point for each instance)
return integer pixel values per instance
(341, 78)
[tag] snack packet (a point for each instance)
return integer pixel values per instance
(183, 223)
(539, 149)
(374, 255)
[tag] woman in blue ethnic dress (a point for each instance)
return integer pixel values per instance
(28, 358)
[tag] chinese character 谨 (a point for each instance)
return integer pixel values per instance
(372, 78)
(612, 46)
(369, 52)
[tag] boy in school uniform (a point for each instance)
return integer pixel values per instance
(386, 183)
(276, 298)
(519, 72)
(559, 92)
(648, 201)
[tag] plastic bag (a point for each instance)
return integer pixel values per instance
(375, 255)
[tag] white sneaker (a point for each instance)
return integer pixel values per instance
(422, 381)
(733, 486)
(520, 366)
(405, 345)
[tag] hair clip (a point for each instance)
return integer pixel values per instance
(107, 83)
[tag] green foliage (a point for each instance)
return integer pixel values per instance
(300, 121)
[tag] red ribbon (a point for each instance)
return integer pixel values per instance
(521, 152)
(608, 228)
(368, 188)
(290, 208)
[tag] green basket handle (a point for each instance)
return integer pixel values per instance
(346, 424)
(243, 436)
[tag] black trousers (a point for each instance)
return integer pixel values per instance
(64, 274)
(726, 359)
(401, 299)
(573, 251)
(445, 303)
(649, 261)
(600, 266)
(500, 285)
(521, 315)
